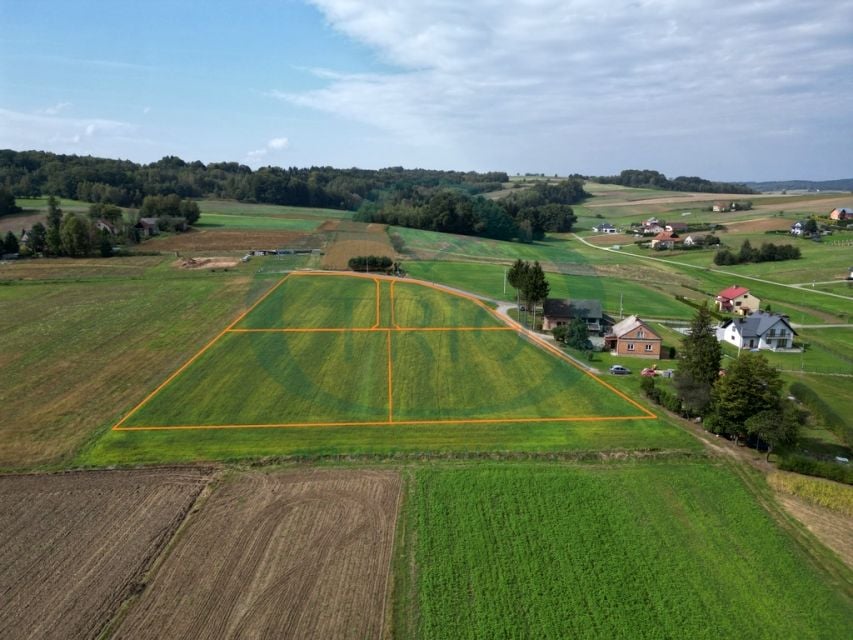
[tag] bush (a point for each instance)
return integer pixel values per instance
(818, 468)
(371, 263)
(822, 412)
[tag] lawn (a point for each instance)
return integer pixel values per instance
(255, 223)
(488, 280)
(620, 551)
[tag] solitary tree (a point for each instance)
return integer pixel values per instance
(10, 243)
(54, 213)
(75, 236)
(577, 335)
(775, 426)
(700, 362)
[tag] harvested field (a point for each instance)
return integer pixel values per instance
(608, 240)
(758, 225)
(76, 545)
(232, 241)
(831, 528)
(193, 264)
(302, 554)
(349, 239)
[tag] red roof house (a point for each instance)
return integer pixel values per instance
(737, 300)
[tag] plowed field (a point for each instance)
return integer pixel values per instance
(288, 555)
(74, 546)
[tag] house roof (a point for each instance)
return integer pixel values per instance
(677, 226)
(732, 292)
(148, 221)
(666, 235)
(757, 324)
(629, 324)
(842, 210)
(557, 308)
(603, 225)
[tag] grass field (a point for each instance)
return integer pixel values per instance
(620, 551)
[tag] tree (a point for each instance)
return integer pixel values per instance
(37, 238)
(560, 332)
(747, 253)
(54, 213)
(699, 366)
(535, 288)
(10, 243)
(810, 227)
(105, 245)
(749, 387)
(7, 203)
(516, 277)
(775, 426)
(577, 335)
(75, 236)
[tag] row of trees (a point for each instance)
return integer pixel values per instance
(66, 234)
(745, 402)
(650, 179)
(768, 252)
(7, 202)
(526, 215)
(530, 285)
(125, 183)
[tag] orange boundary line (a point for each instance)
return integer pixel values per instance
(365, 329)
(378, 293)
(393, 318)
(390, 383)
(511, 324)
(380, 423)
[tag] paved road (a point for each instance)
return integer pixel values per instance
(738, 276)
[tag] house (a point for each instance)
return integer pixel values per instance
(561, 312)
(738, 300)
(676, 227)
(665, 240)
(605, 227)
(760, 330)
(721, 207)
(701, 240)
(633, 337)
(841, 213)
(798, 228)
(148, 227)
(25, 236)
(103, 225)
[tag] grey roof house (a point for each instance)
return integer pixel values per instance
(559, 312)
(759, 330)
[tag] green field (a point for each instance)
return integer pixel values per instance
(680, 550)
(347, 365)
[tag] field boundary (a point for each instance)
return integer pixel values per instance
(507, 324)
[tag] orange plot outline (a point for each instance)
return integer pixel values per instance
(507, 324)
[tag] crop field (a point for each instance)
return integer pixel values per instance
(301, 554)
(347, 239)
(76, 545)
(618, 551)
(232, 240)
(283, 364)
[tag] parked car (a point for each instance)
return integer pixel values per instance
(619, 370)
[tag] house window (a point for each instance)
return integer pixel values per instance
(641, 334)
(649, 347)
(630, 346)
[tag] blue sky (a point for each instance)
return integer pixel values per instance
(730, 89)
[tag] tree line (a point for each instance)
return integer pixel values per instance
(650, 179)
(530, 284)
(526, 215)
(126, 184)
(768, 252)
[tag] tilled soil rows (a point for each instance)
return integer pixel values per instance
(74, 546)
(301, 554)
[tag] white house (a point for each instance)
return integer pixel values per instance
(797, 228)
(605, 227)
(760, 330)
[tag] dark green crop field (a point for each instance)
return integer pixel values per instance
(680, 550)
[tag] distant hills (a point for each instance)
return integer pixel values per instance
(843, 184)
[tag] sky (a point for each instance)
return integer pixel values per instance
(723, 89)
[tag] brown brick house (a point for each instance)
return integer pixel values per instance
(633, 337)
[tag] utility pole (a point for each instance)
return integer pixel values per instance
(505, 271)
(620, 305)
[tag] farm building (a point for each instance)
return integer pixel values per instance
(148, 226)
(562, 312)
(676, 227)
(665, 240)
(605, 227)
(841, 213)
(633, 337)
(738, 300)
(701, 240)
(759, 330)
(797, 228)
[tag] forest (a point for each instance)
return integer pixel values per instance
(126, 184)
(649, 179)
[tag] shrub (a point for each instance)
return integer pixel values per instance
(370, 263)
(818, 468)
(822, 412)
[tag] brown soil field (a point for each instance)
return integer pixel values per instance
(194, 264)
(608, 240)
(759, 225)
(349, 239)
(75, 546)
(20, 221)
(78, 268)
(831, 528)
(820, 206)
(232, 241)
(299, 554)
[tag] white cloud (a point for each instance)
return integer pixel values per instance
(257, 153)
(278, 144)
(579, 80)
(55, 109)
(63, 134)
(273, 145)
